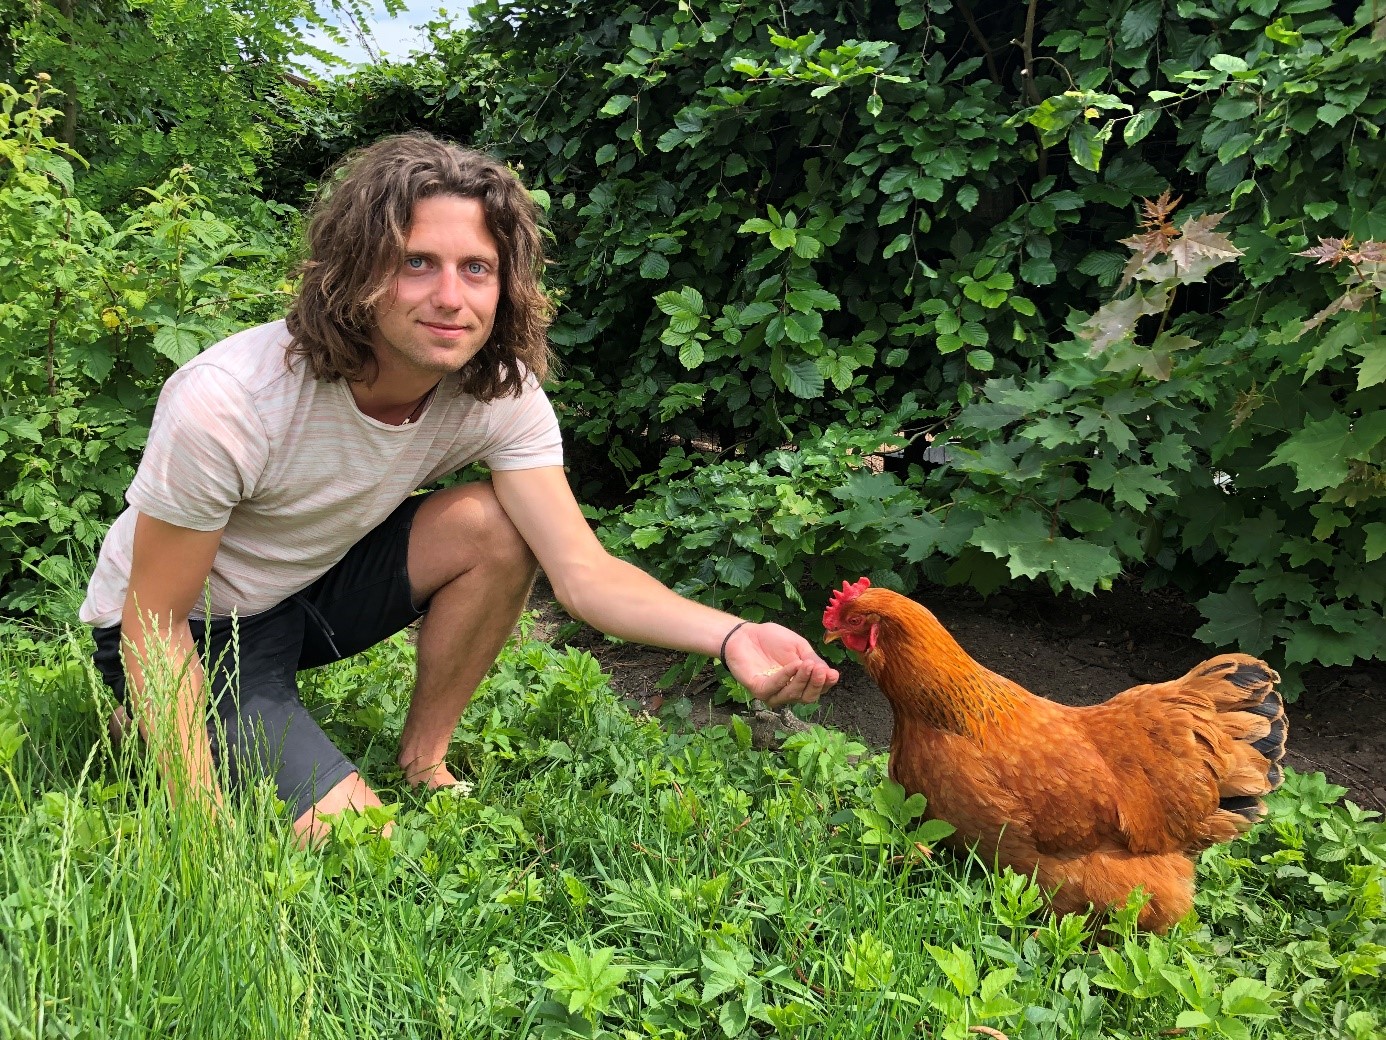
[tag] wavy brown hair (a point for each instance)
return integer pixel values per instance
(358, 227)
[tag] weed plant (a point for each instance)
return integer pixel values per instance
(601, 875)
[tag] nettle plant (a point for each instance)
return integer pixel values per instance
(101, 311)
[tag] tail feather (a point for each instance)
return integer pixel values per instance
(1250, 717)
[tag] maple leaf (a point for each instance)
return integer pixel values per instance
(1157, 211)
(1157, 234)
(1115, 321)
(1371, 253)
(1352, 300)
(1329, 250)
(1144, 248)
(1197, 239)
(1247, 402)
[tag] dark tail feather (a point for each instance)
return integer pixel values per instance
(1251, 722)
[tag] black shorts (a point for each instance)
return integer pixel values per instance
(266, 729)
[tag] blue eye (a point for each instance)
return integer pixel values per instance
(414, 263)
(476, 267)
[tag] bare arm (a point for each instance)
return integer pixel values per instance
(167, 572)
(772, 662)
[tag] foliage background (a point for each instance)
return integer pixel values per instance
(788, 236)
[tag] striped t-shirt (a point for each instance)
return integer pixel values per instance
(245, 439)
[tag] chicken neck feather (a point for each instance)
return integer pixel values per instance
(928, 677)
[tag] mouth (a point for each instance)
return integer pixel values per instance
(831, 636)
(445, 330)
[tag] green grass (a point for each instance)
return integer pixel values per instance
(606, 877)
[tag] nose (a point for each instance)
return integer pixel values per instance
(447, 290)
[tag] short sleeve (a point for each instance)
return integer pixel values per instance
(525, 432)
(207, 448)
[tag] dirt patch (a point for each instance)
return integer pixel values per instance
(1075, 652)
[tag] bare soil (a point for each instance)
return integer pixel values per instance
(1075, 652)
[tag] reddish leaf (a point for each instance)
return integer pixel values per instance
(1197, 239)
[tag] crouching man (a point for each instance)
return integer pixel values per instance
(273, 526)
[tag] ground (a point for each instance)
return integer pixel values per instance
(1077, 652)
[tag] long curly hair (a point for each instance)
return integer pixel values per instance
(358, 227)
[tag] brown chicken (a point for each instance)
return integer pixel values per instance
(1094, 801)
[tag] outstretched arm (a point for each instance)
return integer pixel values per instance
(773, 663)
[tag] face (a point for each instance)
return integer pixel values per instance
(443, 306)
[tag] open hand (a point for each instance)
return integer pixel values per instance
(777, 666)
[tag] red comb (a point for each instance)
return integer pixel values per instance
(841, 598)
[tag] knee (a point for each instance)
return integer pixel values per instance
(471, 516)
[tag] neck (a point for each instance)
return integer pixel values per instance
(393, 404)
(928, 677)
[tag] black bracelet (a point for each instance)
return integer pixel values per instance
(722, 654)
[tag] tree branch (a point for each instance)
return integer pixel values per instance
(981, 39)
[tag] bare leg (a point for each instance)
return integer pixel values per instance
(467, 559)
(349, 793)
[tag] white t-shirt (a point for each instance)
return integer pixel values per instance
(247, 440)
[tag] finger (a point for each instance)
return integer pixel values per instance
(793, 688)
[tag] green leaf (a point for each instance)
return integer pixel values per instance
(911, 16)
(1085, 515)
(179, 345)
(675, 305)
(806, 300)
(1331, 114)
(691, 354)
(957, 965)
(1038, 271)
(1372, 370)
(1085, 145)
(1318, 453)
(1138, 127)
(1319, 644)
(1248, 998)
(802, 379)
(967, 197)
(1235, 619)
(733, 1018)
(692, 300)
(654, 266)
(616, 105)
(1282, 31)
(783, 237)
(1376, 541)
(1022, 538)
(1140, 24)
(738, 571)
(605, 154)
(1227, 63)
(803, 328)
(725, 970)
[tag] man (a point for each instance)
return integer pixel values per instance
(272, 524)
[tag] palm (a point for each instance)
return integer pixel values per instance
(777, 666)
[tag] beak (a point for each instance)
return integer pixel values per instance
(831, 636)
